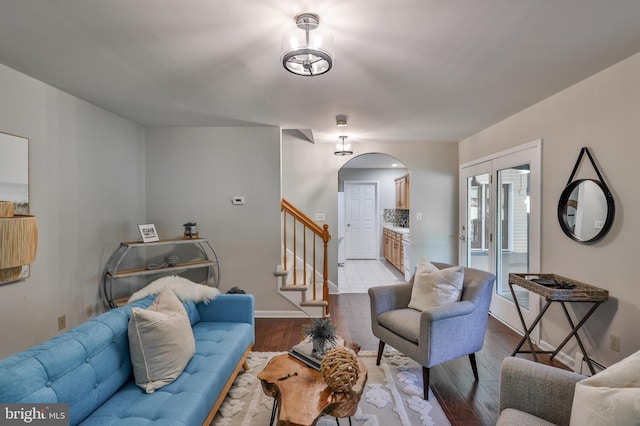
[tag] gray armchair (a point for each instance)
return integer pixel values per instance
(436, 335)
(535, 394)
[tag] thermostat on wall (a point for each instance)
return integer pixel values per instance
(237, 200)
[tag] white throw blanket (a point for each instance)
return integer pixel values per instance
(185, 289)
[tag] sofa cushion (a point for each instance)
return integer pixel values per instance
(611, 397)
(187, 400)
(160, 341)
(433, 288)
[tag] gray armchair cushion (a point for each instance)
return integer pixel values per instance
(405, 322)
(512, 417)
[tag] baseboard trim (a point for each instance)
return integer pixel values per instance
(280, 314)
(545, 346)
(561, 357)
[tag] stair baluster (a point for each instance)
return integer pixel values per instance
(322, 236)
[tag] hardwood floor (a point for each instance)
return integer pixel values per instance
(464, 401)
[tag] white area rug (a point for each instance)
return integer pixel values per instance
(393, 396)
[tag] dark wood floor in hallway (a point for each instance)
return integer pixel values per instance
(465, 401)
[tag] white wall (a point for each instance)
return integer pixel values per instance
(601, 113)
(192, 174)
(87, 191)
(434, 190)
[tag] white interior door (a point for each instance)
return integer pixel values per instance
(500, 226)
(361, 220)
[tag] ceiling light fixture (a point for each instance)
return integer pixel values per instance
(341, 120)
(305, 53)
(343, 148)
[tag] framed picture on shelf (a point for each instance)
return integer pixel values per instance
(148, 233)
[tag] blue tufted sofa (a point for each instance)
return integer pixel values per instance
(89, 368)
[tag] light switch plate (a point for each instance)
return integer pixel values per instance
(237, 200)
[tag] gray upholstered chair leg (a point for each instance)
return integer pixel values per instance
(380, 350)
(425, 381)
(474, 366)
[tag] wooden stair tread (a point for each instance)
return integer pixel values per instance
(314, 303)
(291, 287)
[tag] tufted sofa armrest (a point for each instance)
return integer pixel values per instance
(228, 308)
(538, 389)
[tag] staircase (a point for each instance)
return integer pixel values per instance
(303, 274)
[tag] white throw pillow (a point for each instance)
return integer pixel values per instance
(426, 267)
(185, 289)
(434, 288)
(611, 397)
(161, 341)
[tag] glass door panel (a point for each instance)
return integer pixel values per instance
(500, 226)
(478, 233)
(513, 229)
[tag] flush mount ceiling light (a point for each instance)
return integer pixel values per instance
(305, 52)
(341, 120)
(343, 148)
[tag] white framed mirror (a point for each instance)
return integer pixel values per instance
(14, 171)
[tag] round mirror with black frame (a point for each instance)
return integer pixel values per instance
(586, 210)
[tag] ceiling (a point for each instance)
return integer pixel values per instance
(405, 71)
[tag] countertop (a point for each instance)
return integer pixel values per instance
(397, 229)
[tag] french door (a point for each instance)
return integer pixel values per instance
(500, 225)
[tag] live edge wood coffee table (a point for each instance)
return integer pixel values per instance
(301, 394)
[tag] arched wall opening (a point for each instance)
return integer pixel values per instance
(366, 203)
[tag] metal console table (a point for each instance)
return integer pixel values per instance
(564, 290)
(205, 257)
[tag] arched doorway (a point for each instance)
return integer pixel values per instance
(366, 201)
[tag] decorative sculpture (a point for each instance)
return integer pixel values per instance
(340, 369)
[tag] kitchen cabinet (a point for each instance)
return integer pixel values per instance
(402, 192)
(393, 249)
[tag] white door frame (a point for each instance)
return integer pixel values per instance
(501, 308)
(347, 234)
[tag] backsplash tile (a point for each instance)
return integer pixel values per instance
(398, 217)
